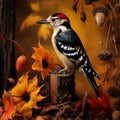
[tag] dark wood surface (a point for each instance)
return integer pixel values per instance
(7, 49)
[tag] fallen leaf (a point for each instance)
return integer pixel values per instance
(9, 106)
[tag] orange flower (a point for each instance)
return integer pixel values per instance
(9, 106)
(43, 61)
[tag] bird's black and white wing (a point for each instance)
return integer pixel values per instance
(69, 44)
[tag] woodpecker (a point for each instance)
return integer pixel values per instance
(69, 48)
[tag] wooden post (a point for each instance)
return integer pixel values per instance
(62, 87)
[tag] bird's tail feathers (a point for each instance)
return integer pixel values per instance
(96, 75)
(92, 81)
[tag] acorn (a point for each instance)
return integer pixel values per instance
(105, 55)
(21, 62)
(100, 13)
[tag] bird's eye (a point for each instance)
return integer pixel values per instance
(53, 19)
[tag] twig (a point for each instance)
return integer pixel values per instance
(13, 41)
(84, 101)
(116, 51)
(110, 5)
(108, 33)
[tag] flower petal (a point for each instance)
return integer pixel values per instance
(20, 88)
(37, 66)
(9, 106)
(33, 84)
(41, 54)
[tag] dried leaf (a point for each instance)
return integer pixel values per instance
(1, 102)
(43, 118)
(9, 106)
(1, 111)
(100, 104)
(49, 109)
(11, 80)
(74, 6)
(83, 16)
(116, 115)
(78, 105)
(116, 104)
(114, 92)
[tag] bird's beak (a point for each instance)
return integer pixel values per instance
(42, 22)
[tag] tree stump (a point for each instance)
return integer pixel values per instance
(62, 87)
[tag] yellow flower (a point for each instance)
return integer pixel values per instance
(43, 61)
(25, 95)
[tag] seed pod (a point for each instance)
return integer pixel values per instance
(99, 13)
(74, 6)
(117, 8)
(21, 62)
(83, 16)
(105, 55)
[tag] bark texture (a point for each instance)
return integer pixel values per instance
(7, 56)
(62, 88)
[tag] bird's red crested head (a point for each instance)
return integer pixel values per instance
(61, 16)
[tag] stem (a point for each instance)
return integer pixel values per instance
(110, 5)
(108, 33)
(84, 102)
(16, 43)
(116, 51)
